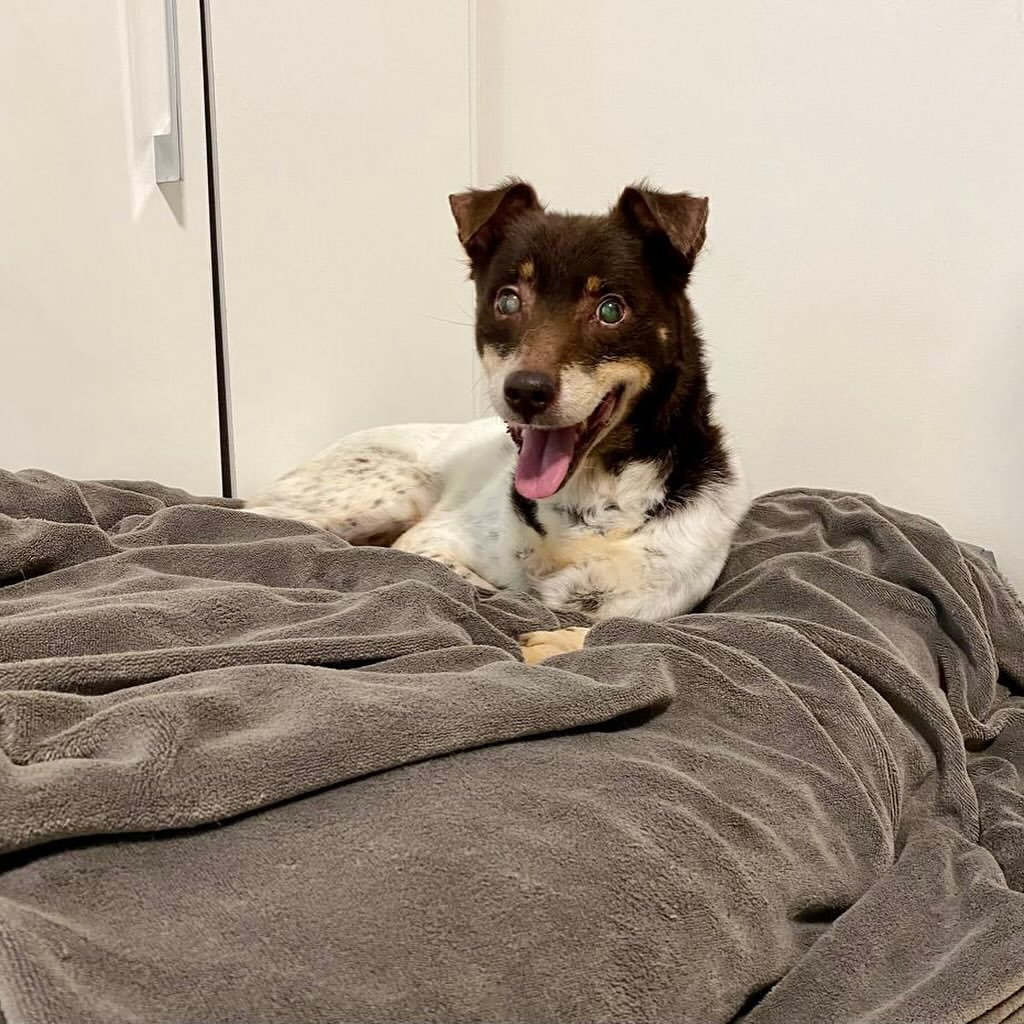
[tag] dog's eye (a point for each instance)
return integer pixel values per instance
(611, 310)
(508, 302)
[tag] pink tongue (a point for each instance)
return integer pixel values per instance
(544, 461)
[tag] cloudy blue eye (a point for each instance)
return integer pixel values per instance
(611, 310)
(508, 302)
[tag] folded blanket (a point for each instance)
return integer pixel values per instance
(249, 773)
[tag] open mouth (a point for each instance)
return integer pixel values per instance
(548, 455)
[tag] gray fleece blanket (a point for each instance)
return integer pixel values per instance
(249, 773)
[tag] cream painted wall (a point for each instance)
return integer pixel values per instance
(862, 290)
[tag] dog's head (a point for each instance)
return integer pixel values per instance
(576, 315)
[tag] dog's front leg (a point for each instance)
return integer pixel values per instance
(431, 540)
(614, 582)
(648, 586)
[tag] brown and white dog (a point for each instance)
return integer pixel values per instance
(603, 486)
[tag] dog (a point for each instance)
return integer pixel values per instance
(604, 486)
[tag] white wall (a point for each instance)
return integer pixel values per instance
(862, 290)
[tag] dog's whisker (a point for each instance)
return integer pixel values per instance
(478, 386)
(445, 320)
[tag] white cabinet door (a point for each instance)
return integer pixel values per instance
(106, 322)
(341, 129)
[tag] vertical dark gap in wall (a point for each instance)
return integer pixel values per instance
(227, 469)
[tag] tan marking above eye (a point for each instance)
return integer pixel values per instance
(663, 332)
(527, 270)
(593, 285)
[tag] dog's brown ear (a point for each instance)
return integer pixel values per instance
(678, 216)
(483, 216)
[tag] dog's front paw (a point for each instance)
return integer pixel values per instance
(546, 643)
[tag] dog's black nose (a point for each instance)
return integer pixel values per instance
(529, 393)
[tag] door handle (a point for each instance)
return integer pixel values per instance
(167, 145)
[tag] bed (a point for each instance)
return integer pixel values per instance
(250, 773)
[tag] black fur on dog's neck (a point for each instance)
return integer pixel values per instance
(526, 510)
(669, 425)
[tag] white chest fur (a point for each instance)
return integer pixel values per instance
(600, 550)
(602, 546)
